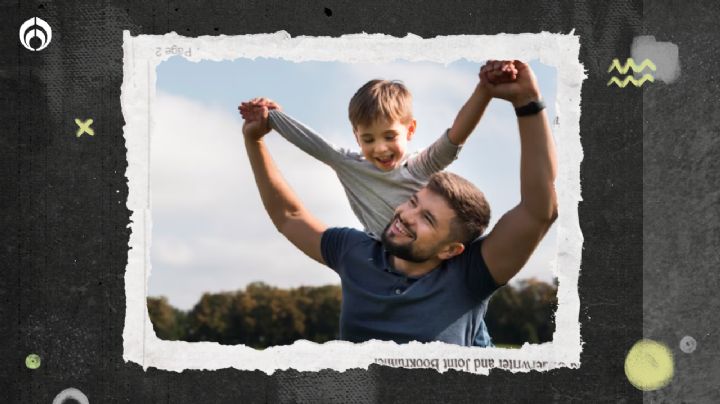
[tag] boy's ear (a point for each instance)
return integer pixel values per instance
(411, 129)
(355, 132)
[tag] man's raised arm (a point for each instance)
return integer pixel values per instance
(282, 205)
(516, 235)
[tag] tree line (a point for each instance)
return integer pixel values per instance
(261, 316)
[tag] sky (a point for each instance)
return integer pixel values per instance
(210, 232)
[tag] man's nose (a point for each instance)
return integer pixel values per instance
(408, 215)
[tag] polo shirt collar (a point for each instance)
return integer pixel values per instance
(386, 264)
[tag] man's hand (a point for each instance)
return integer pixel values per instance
(520, 91)
(500, 72)
(255, 113)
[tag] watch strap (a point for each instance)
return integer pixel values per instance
(531, 108)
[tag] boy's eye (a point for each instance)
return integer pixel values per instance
(367, 140)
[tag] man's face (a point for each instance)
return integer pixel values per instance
(420, 229)
(384, 143)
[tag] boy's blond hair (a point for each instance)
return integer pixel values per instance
(387, 99)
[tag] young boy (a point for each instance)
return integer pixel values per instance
(385, 174)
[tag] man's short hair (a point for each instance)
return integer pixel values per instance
(386, 99)
(471, 208)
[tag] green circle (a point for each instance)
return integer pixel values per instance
(32, 361)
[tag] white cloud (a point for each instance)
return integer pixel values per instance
(173, 252)
(209, 227)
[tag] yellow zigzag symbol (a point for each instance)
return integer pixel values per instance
(631, 64)
(630, 79)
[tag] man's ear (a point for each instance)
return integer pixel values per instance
(451, 250)
(411, 129)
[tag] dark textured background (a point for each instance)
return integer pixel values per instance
(681, 201)
(649, 174)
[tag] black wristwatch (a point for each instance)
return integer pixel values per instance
(532, 108)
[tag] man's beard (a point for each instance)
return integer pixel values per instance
(405, 251)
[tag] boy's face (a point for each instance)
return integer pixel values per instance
(384, 143)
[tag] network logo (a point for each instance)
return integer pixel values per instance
(630, 64)
(35, 34)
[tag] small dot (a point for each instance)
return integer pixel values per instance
(688, 344)
(32, 361)
(328, 12)
(649, 365)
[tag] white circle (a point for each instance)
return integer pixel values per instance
(71, 393)
(35, 28)
(688, 344)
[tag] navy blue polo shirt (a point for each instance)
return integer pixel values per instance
(446, 304)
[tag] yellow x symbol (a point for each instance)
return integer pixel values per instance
(84, 127)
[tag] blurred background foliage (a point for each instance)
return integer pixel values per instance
(261, 315)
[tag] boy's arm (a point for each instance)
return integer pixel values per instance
(445, 150)
(474, 108)
(285, 209)
(305, 138)
(434, 158)
(469, 116)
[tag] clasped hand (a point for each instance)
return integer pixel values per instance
(256, 114)
(513, 81)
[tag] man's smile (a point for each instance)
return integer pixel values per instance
(398, 227)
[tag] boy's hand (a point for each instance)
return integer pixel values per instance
(519, 92)
(256, 119)
(257, 102)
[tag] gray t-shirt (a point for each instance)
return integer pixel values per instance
(373, 194)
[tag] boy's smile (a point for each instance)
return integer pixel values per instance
(384, 143)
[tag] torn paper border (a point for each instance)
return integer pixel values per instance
(142, 55)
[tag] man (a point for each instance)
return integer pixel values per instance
(430, 277)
